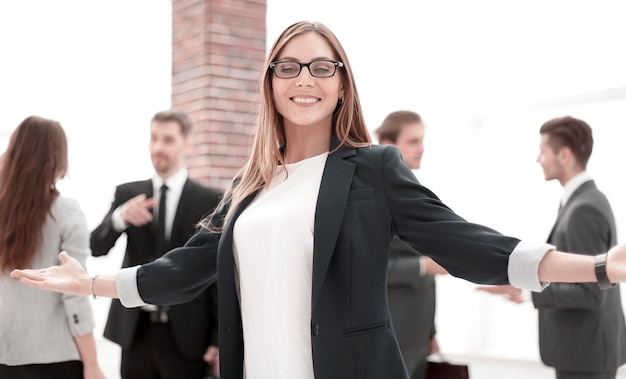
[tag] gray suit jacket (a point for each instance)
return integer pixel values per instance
(581, 327)
(412, 306)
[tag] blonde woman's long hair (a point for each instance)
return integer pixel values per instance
(269, 136)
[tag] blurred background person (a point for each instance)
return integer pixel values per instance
(574, 312)
(157, 215)
(411, 286)
(42, 335)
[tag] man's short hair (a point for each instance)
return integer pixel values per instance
(393, 124)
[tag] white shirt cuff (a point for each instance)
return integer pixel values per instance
(127, 291)
(523, 267)
(118, 222)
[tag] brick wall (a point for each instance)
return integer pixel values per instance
(218, 48)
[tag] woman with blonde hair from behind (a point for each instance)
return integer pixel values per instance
(42, 334)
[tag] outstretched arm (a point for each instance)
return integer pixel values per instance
(176, 277)
(559, 267)
(69, 277)
(562, 267)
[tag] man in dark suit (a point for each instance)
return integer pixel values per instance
(411, 285)
(582, 333)
(158, 215)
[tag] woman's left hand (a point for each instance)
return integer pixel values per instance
(616, 264)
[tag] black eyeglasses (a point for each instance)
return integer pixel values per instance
(320, 68)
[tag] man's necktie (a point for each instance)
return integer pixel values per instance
(161, 221)
(161, 239)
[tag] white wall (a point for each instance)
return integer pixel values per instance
(102, 68)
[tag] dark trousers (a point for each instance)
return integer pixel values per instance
(58, 370)
(586, 375)
(154, 355)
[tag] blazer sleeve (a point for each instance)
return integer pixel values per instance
(466, 250)
(181, 274)
(104, 236)
(74, 240)
(587, 234)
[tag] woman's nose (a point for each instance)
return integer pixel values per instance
(305, 78)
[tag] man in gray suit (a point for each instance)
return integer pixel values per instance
(411, 285)
(581, 326)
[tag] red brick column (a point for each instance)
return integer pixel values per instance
(218, 48)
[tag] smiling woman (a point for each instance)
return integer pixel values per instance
(301, 250)
(306, 99)
(442, 57)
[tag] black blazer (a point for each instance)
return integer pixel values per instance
(367, 195)
(581, 327)
(194, 324)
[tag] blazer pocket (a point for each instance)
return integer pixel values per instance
(361, 194)
(366, 329)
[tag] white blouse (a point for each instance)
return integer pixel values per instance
(273, 252)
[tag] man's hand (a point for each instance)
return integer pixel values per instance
(433, 346)
(136, 211)
(508, 291)
(212, 358)
(432, 268)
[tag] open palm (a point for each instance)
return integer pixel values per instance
(65, 278)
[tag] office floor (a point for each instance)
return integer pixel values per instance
(480, 367)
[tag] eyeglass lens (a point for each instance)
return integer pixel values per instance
(319, 69)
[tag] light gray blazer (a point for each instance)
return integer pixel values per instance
(38, 326)
(581, 327)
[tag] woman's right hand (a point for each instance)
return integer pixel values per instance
(69, 277)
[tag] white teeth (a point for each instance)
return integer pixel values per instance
(306, 100)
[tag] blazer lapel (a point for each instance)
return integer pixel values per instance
(556, 223)
(331, 202)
